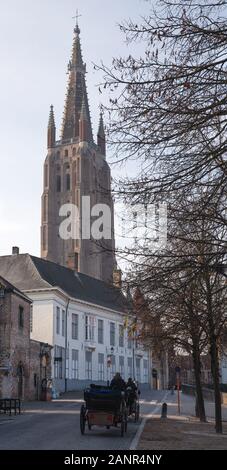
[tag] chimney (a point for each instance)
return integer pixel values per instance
(117, 281)
(15, 250)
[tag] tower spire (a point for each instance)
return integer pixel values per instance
(51, 132)
(76, 92)
(83, 123)
(101, 136)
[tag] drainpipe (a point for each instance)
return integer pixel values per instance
(66, 341)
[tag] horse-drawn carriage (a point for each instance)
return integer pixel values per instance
(103, 407)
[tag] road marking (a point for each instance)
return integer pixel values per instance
(7, 421)
(136, 438)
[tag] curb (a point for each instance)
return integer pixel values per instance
(136, 438)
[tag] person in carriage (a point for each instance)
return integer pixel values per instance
(117, 383)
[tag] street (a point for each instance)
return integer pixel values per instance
(55, 426)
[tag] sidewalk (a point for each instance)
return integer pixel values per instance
(184, 431)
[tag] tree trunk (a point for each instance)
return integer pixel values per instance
(215, 375)
(213, 340)
(199, 408)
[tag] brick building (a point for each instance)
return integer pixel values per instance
(23, 362)
(75, 170)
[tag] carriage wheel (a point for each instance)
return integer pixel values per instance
(137, 412)
(82, 419)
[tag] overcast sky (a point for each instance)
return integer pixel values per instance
(35, 47)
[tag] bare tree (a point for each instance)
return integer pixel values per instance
(187, 297)
(168, 106)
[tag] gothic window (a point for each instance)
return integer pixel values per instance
(68, 182)
(66, 153)
(58, 183)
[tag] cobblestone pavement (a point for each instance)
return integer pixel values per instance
(55, 425)
(184, 431)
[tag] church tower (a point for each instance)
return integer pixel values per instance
(76, 167)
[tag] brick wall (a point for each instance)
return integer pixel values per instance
(40, 368)
(14, 346)
(21, 361)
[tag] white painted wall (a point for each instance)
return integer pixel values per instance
(45, 305)
(43, 320)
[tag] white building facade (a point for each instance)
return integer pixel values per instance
(83, 319)
(90, 342)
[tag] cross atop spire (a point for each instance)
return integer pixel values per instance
(77, 29)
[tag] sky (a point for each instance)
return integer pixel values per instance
(35, 47)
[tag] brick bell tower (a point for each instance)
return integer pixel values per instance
(76, 166)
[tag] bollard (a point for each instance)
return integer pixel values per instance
(164, 410)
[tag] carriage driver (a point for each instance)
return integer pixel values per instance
(117, 383)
